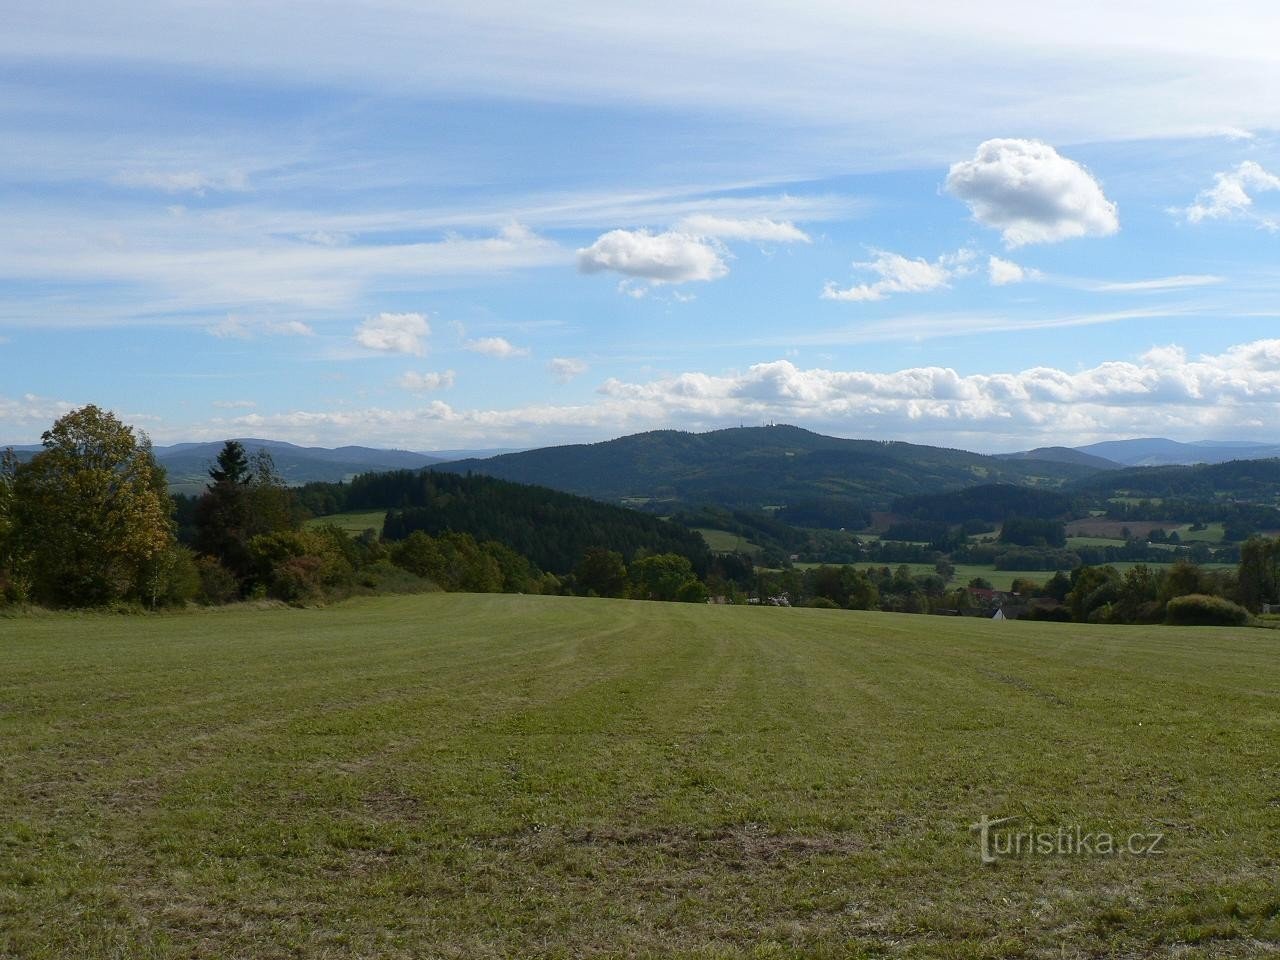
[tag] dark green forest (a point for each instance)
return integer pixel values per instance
(89, 521)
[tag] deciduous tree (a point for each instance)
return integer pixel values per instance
(90, 510)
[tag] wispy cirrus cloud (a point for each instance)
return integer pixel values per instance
(196, 182)
(246, 328)
(742, 228)
(1181, 281)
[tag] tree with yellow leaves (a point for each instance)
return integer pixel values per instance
(90, 512)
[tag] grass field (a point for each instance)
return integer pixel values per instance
(722, 541)
(501, 776)
(1003, 579)
(354, 523)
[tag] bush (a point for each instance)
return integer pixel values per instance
(299, 579)
(301, 566)
(385, 577)
(217, 583)
(1200, 610)
(170, 578)
(692, 590)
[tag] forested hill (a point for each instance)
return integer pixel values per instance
(992, 502)
(1254, 481)
(187, 464)
(551, 528)
(753, 467)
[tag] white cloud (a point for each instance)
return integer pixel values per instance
(564, 369)
(899, 274)
(670, 257)
(1232, 393)
(739, 228)
(183, 181)
(1231, 196)
(1182, 281)
(499, 347)
(394, 333)
(244, 328)
(1031, 193)
(235, 404)
(1001, 273)
(215, 262)
(23, 419)
(969, 67)
(417, 382)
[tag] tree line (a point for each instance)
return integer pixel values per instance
(88, 522)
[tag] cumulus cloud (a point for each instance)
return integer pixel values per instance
(241, 328)
(417, 382)
(564, 369)
(670, 257)
(740, 228)
(1031, 193)
(899, 274)
(1001, 273)
(24, 418)
(1166, 390)
(1163, 387)
(1231, 196)
(394, 333)
(499, 347)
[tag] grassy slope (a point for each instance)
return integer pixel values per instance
(355, 522)
(479, 776)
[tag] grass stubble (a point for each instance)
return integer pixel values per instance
(499, 776)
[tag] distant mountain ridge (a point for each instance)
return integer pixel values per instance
(782, 466)
(1161, 452)
(188, 463)
(1064, 455)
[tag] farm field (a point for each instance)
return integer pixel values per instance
(1102, 532)
(1000, 579)
(454, 775)
(354, 522)
(723, 541)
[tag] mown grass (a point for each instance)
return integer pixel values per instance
(354, 523)
(723, 541)
(484, 776)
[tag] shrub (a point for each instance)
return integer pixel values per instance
(299, 579)
(385, 577)
(1201, 610)
(300, 565)
(692, 590)
(170, 578)
(217, 583)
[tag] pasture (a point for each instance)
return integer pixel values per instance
(455, 775)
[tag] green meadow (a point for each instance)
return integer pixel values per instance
(476, 776)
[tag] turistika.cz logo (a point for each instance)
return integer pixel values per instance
(998, 839)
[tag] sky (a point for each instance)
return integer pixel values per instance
(485, 224)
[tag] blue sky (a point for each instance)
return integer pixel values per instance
(446, 225)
